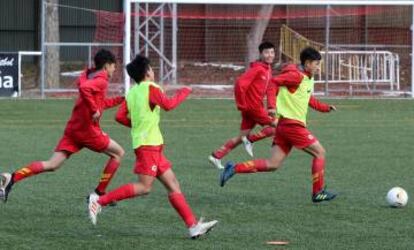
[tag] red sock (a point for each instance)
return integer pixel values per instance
(254, 166)
(178, 201)
(33, 168)
(123, 192)
(225, 149)
(318, 171)
(264, 133)
(109, 172)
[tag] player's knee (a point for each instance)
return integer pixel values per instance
(320, 153)
(146, 190)
(274, 164)
(119, 154)
(51, 166)
(236, 140)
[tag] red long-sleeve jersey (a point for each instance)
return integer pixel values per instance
(156, 97)
(252, 86)
(92, 97)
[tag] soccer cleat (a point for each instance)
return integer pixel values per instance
(6, 183)
(94, 207)
(201, 228)
(112, 204)
(215, 161)
(227, 173)
(248, 146)
(323, 195)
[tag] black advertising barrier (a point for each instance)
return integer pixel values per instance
(9, 74)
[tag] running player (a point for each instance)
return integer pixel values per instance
(82, 129)
(250, 90)
(141, 112)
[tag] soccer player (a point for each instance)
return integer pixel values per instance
(141, 112)
(250, 89)
(82, 129)
(295, 95)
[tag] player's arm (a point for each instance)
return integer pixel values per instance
(320, 106)
(158, 97)
(288, 79)
(242, 85)
(111, 102)
(122, 115)
(271, 95)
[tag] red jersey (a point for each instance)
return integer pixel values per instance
(291, 77)
(253, 85)
(92, 97)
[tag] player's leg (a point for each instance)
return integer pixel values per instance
(127, 191)
(274, 162)
(262, 118)
(280, 150)
(115, 153)
(37, 167)
(247, 124)
(63, 150)
(7, 180)
(318, 172)
(265, 132)
(178, 201)
(227, 147)
(145, 166)
(130, 190)
(177, 198)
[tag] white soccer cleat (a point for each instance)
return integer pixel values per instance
(216, 162)
(5, 185)
(94, 207)
(248, 146)
(201, 228)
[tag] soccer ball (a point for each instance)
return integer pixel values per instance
(397, 197)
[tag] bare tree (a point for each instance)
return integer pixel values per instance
(52, 52)
(255, 36)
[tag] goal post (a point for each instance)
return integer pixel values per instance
(154, 40)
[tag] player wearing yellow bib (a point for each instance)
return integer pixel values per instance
(295, 95)
(141, 112)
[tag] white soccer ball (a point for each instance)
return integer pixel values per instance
(397, 197)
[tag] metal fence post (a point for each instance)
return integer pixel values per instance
(43, 49)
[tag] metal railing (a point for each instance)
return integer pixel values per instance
(370, 68)
(343, 65)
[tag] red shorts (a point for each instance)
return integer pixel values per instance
(71, 144)
(151, 161)
(251, 118)
(293, 135)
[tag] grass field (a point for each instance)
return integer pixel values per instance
(369, 150)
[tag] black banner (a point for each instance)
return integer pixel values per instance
(9, 74)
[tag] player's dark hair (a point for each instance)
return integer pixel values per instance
(309, 53)
(138, 67)
(103, 56)
(266, 45)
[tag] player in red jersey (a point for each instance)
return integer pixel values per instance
(250, 90)
(296, 84)
(82, 129)
(141, 112)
